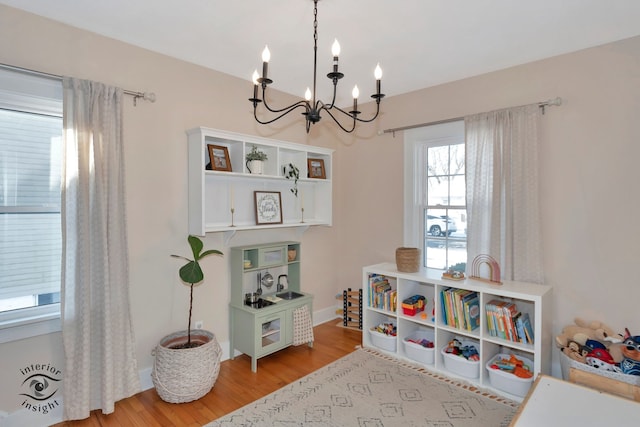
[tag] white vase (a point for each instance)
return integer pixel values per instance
(255, 167)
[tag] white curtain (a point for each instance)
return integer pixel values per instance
(502, 191)
(100, 364)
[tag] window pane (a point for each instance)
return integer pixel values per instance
(458, 191)
(438, 190)
(438, 161)
(30, 230)
(456, 161)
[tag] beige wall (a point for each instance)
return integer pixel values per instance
(588, 192)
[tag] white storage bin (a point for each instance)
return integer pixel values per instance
(459, 365)
(383, 341)
(507, 381)
(416, 351)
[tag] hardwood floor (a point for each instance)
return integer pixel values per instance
(236, 384)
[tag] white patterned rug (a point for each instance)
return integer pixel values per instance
(367, 389)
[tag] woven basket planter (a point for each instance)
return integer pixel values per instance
(184, 375)
(408, 259)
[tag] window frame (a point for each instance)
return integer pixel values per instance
(30, 94)
(416, 141)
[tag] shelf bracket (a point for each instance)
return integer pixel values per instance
(300, 230)
(228, 235)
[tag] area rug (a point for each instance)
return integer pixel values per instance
(368, 389)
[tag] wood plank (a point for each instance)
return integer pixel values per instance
(606, 384)
(236, 385)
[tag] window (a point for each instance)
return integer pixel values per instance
(435, 195)
(30, 229)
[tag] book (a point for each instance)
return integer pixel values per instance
(509, 310)
(443, 304)
(491, 326)
(520, 328)
(528, 329)
(472, 311)
(381, 293)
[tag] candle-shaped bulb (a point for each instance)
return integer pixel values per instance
(378, 75)
(255, 78)
(335, 48)
(307, 94)
(378, 72)
(266, 55)
(356, 94)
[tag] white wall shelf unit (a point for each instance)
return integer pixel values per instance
(533, 299)
(212, 193)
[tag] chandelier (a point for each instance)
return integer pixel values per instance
(312, 106)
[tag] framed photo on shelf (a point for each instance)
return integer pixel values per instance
(218, 158)
(316, 168)
(268, 207)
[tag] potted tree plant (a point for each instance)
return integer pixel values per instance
(255, 159)
(187, 363)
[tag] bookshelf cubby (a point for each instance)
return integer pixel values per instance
(532, 299)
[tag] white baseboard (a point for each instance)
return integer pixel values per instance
(325, 315)
(24, 417)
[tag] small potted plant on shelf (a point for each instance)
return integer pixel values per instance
(187, 362)
(255, 159)
(291, 171)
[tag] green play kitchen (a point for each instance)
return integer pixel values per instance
(268, 310)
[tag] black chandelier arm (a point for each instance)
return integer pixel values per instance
(302, 103)
(333, 99)
(338, 122)
(355, 116)
(288, 110)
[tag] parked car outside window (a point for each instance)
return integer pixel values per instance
(440, 225)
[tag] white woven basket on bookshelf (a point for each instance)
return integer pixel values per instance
(184, 375)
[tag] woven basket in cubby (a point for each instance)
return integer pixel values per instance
(186, 374)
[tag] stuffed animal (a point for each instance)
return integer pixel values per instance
(600, 358)
(586, 337)
(630, 365)
(576, 351)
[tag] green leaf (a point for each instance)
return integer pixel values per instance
(191, 272)
(210, 252)
(196, 246)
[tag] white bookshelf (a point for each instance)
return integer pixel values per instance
(533, 299)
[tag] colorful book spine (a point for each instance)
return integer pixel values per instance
(456, 309)
(381, 293)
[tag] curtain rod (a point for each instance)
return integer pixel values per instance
(145, 96)
(542, 104)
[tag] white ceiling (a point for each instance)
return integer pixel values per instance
(418, 43)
